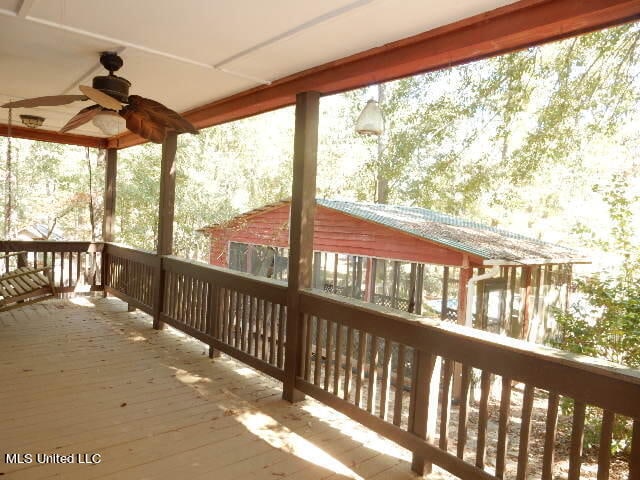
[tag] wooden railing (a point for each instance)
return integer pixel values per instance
(129, 274)
(412, 380)
(76, 266)
(395, 373)
(235, 313)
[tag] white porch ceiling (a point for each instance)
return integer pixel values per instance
(189, 53)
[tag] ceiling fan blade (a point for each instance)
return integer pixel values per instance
(140, 123)
(49, 101)
(101, 98)
(161, 114)
(82, 117)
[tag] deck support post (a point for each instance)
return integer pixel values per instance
(303, 199)
(109, 217)
(165, 219)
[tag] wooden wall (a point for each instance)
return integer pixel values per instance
(334, 232)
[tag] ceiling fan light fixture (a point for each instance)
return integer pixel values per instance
(109, 122)
(32, 121)
(370, 121)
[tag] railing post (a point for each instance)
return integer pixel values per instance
(423, 408)
(158, 294)
(104, 268)
(213, 313)
(303, 199)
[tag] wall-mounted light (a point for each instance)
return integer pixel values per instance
(370, 121)
(32, 121)
(109, 122)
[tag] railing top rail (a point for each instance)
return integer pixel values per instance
(51, 245)
(141, 256)
(122, 246)
(588, 379)
(272, 290)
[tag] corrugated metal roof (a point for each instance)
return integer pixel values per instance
(466, 235)
(474, 238)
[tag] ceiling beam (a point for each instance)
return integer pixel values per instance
(52, 136)
(506, 29)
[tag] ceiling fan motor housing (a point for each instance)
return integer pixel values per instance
(113, 85)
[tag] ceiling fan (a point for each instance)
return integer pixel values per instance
(143, 116)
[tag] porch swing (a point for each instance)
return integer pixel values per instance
(23, 285)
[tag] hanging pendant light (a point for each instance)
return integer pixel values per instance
(370, 121)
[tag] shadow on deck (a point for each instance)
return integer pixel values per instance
(84, 376)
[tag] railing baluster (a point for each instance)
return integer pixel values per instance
(577, 437)
(266, 309)
(78, 268)
(550, 436)
(373, 374)
(445, 404)
(251, 327)
(244, 322)
(399, 390)
(328, 363)
(525, 432)
(347, 366)
(226, 317)
(503, 426)
(463, 415)
(483, 418)
(386, 380)
(70, 277)
(604, 449)
(308, 347)
(282, 323)
(362, 345)
(273, 334)
(318, 349)
(239, 320)
(337, 365)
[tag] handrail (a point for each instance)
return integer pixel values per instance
(269, 289)
(545, 367)
(51, 246)
(129, 253)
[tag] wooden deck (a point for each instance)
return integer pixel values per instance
(85, 376)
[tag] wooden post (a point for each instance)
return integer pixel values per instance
(463, 280)
(109, 217)
(110, 174)
(444, 307)
(525, 310)
(165, 219)
(300, 231)
(370, 280)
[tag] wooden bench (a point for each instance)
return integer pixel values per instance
(24, 285)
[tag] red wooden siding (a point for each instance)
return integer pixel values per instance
(334, 232)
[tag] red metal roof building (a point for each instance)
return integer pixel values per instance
(409, 258)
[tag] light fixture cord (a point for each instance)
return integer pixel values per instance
(8, 207)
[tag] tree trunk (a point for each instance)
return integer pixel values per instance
(382, 182)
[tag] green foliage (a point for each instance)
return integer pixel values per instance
(608, 326)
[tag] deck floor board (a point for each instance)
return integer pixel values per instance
(85, 376)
